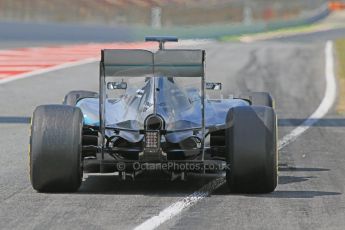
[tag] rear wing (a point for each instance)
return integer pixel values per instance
(169, 63)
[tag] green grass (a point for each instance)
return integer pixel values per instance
(296, 29)
(230, 38)
(340, 49)
(340, 52)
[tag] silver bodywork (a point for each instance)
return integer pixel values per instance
(125, 115)
(169, 84)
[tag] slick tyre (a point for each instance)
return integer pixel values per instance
(73, 97)
(251, 149)
(55, 148)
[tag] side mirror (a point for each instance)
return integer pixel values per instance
(116, 85)
(213, 85)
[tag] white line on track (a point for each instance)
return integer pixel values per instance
(18, 68)
(327, 102)
(50, 69)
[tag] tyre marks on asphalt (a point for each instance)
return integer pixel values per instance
(326, 104)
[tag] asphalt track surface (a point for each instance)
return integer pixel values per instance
(310, 194)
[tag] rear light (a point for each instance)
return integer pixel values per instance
(152, 140)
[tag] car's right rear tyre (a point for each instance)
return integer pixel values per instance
(73, 97)
(251, 149)
(55, 148)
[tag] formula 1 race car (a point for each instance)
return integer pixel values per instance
(152, 113)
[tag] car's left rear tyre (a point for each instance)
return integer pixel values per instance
(55, 148)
